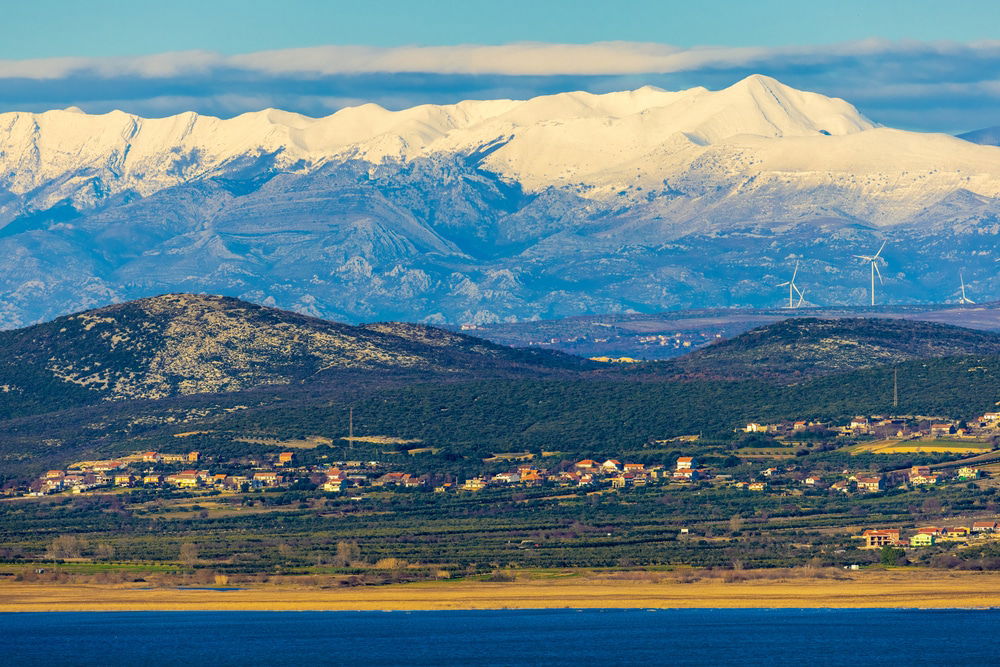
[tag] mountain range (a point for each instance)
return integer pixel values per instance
(500, 210)
(186, 344)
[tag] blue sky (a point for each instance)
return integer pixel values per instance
(915, 64)
(45, 28)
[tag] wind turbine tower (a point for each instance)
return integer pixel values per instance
(793, 289)
(874, 260)
(963, 299)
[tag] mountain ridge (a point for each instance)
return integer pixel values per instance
(125, 152)
(803, 347)
(489, 211)
(988, 136)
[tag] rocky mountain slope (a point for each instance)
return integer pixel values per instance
(988, 136)
(180, 344)
(810, 346)
(493, 210)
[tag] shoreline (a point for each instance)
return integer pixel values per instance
(866, 590)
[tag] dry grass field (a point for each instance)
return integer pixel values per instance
(928, 446)
(894, 588)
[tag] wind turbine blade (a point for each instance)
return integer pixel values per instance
(802, 296)
(879, 273)
(795, 273)
(784, 284)
(881, 249)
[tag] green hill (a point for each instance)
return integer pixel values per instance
(807, 347)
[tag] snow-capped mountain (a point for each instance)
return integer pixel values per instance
(568, 203)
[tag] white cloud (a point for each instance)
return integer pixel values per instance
(956, 83)
(520, 59)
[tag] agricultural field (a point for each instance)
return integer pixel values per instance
(922, 446)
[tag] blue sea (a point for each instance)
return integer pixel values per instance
(551, 637)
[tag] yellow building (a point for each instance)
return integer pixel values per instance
(922, 540)
(474, 484)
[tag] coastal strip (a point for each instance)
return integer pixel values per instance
(882, 589)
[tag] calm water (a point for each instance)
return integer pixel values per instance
(592, 637)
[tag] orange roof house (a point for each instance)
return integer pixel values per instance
(685, 462)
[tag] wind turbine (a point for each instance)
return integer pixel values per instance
(964, 299)
(793, 289)
(873, 260)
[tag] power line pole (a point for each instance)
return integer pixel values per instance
(350, 429)
(895, 388)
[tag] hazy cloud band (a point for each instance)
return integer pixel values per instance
(918, 85)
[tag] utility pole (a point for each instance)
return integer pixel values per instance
(895, 388)
(350, 429)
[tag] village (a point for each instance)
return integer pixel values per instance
(192, 470)
(899, 428)
(927, 536)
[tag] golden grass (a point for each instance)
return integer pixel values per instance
(901, 588)
(920, 447)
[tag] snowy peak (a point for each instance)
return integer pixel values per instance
(746, 138)
(145, 155)
(783, 111)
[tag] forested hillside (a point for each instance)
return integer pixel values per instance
(807, 347)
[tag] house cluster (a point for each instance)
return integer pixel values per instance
(128, 470)
(904, 427)
(157, 470)
(926, 536)
(583, 473)
(793, 480)
(912, 477)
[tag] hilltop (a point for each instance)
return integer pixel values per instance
(670, 334)
(179, 344)
(805, 346)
